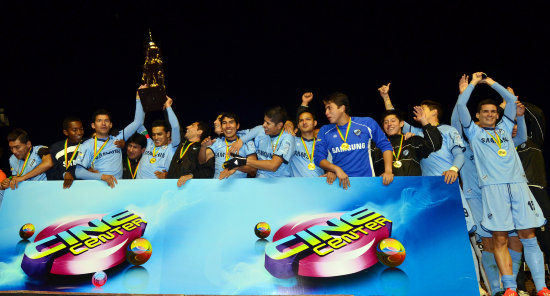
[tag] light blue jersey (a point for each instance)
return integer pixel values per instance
(468, 175)
(302, 161)
(267, 146)
(109, 160)
(16, 165)
(442, 159)
(220, 148)
(159, 158)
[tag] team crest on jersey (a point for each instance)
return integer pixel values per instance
(334, 136)
(522, 145)
(406, 152)
(357, 132)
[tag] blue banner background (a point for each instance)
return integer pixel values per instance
(203, 239)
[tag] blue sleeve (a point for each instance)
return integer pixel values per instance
(176, 137)
(286, 148)
(252, 134)
(455, 121)
(510, 109)
(142, 130)
(321, 151)
(139, 117)
(458, 154)
(463, 112)
(407, 128)
(84, 174)
(521, 135)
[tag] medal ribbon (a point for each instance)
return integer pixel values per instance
(100, 149)
(72, 157)
(182, 151)
(276, 143)
(24, 164)
(130, 168)
(399, 152)
(347, 131)
(497, 140)
(227, 149)
(312, 149)
(154, 149)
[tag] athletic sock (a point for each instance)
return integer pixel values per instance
(509, 281)
(535, 261)
(516, 261)
(491, 270)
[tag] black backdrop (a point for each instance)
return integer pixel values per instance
(69, 58)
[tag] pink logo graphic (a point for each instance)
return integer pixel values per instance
(327, 245)
(83, 245)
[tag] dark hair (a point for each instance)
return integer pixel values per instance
(433, 105)
(339, 99)
(70, 119)
(138, 139)
(100, 112)
(205, 128)
(277, 114)
(305, 110)
(487, 102)
(394, 112)
(230, 115)
(165, 124)
(18, 134)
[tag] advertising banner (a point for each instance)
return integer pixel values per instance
(151, 237)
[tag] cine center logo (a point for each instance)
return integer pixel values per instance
(82, 245)
(327, 245)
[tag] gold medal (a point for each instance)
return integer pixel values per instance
(311, 166)
(153, 160)
(345, 146)
(397, 164)
(502, 152)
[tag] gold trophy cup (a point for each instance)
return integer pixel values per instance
(154, 96)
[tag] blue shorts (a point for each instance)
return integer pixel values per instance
(470, 223)
(508, 207)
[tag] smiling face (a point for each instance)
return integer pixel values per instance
(392, 125)
(487, 115)
(306, 123)
(229, 127)
(270, 127)
(333, 112)
(19, 150)
(102, 125)
(74, 131)
(193, 133)
(160, 136)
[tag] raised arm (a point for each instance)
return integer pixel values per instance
(139, 117)
(384, 91)
(461, 108)
(521, 132)
(510, 109)
(176, 137)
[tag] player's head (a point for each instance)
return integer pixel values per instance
(218, 125)
(135, 146)
(161, 132)
(274, 120)
(487, 113)
(306, 121)
(433, 110)
(19, 143)
(73, 129)
(392, 122)
(102, 122)
(336, 105)
(229, 124)
(197, 131)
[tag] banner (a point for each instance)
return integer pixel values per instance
(324, 240)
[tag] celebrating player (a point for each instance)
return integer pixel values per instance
(507, 202)
(350, 150)
(100, 154)
(64, 152)
(28, 162)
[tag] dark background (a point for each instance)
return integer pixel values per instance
(72, 57)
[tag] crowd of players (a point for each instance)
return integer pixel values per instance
(496, 154)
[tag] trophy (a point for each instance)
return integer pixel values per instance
(154, 96)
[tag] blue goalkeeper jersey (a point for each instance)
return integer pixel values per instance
(355, 161)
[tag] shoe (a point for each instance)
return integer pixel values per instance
(544, 292)
(522, 293)
(510, 292)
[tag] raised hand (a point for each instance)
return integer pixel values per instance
(420, 115)
(477, 77)
(306, 98)
(520, 109)
(207, 142)
(463, 83)
(168, 103)
(384, 91)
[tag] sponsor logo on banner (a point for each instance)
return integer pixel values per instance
(82, 245)
(327, 245)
